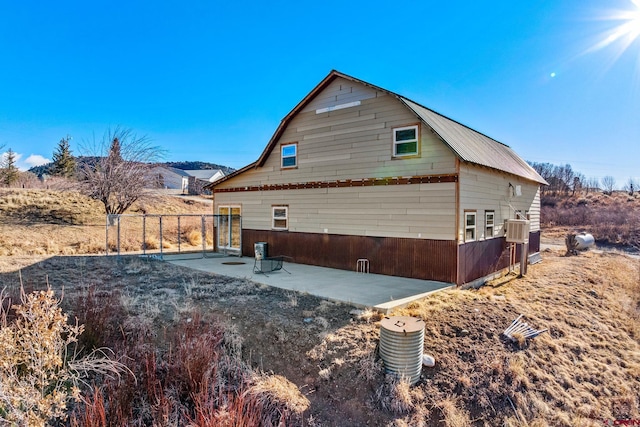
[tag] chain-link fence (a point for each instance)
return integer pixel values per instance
(172, 234)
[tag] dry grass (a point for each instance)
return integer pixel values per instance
(587, 365)
(454, 416)
(275, 391)
(41, 222)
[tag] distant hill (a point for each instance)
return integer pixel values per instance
(186, 165)
(198, 166)
(42, 169)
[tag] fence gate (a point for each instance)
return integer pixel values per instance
(172, 234)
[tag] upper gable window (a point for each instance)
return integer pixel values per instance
(289, 155)
(405, 141)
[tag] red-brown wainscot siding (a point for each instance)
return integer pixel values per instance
(482, 258)
(415, 258)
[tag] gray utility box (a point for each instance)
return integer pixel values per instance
(261, 250)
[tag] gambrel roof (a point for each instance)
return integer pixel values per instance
(468, 145)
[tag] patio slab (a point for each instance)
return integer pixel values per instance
(380, 292)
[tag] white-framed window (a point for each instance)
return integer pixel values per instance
(289, 156)
(489, 224)
(280, 217)
(405, 141)
(469, 226)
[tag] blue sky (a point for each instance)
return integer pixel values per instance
(211, 81)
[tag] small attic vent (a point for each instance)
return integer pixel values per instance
(517, 230)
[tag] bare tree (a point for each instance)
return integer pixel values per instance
(593, 184)
(631, 186)
(116, 170)
(608, 184)
(579, 182)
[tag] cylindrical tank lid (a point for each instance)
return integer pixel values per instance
(404, 324)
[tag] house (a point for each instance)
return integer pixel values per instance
(199, 179)
(355, 171)
(170, 178)
(191, 181)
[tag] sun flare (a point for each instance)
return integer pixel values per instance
(624, 33)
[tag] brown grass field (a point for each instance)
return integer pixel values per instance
(51, 222)
(210, 350)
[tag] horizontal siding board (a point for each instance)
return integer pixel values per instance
(408, 211)
(482, 189)
(321, 124)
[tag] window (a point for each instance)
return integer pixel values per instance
(289, 155)
(469, 226)
(489, 222)
(405, 141)
(280, 217)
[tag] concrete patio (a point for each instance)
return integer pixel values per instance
(382, 293)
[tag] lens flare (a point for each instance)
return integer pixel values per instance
(621, 36)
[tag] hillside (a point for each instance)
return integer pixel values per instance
(184, 165)
(613, 219)
(38, 221)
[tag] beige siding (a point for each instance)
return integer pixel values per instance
(349, 143)
(483, 189)
(413, 211)
(352, 143)
(340, 92)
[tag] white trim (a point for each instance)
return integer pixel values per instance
(337, 107)
(408, 141)
(487, 225)
(285, 218)
(472, 228)
(229, 226)
(295, 156)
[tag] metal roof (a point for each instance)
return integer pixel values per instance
(472, 146)
(204, 174)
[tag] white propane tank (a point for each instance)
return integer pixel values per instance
(585, 241)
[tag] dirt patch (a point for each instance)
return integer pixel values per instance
(277, 328)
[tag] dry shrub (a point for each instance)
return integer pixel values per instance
(39, 371)
(229, 410)
(196, 378)
(519, 339)
(394, 395)
(611, 219)
(151, 242)
(369, 367)
(368, 315)
(194, 237)
(277, 397)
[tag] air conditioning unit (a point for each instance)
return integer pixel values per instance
(517, 230)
